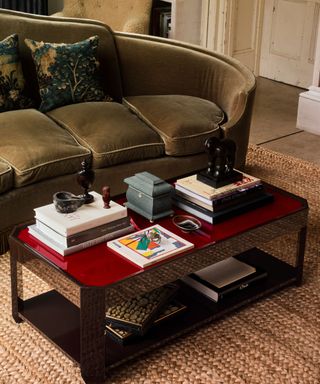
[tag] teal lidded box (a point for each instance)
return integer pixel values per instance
(149, 195)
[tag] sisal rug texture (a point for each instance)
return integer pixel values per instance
(274, 341)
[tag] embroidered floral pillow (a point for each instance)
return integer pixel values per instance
(67, 73)
(11, 76)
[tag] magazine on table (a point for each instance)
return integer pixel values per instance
(149, 245)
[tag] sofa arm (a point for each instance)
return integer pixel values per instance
(151, 65)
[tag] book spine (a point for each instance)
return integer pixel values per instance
(215, 217)
(201, 288)
(76, 248)
(80, 227)
(193, 211)
(212, 194)
(225, 202)
(68, 241)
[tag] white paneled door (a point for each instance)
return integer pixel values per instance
(289, 41)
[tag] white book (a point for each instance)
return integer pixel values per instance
(85, 217)
(80, 237)
(147, 253)
(64, 251)
(190, 183)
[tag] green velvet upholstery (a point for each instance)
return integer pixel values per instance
(6, 177)
(44, 151)
(183, 122)
(112, 133)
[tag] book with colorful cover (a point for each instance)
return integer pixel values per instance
(143, 249)
(86, 217)
(209, 193)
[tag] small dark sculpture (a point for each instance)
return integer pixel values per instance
(221, 159)
(106, 196)
(85, 178)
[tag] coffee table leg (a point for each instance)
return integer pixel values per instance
(92, 342)
(300, 254)
(16, 285)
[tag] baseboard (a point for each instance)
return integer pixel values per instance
(309, 110)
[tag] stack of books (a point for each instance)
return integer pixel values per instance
(91, 224)
(216, 204)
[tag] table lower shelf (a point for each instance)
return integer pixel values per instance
(59, 320)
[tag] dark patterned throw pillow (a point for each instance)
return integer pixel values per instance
(67, 73)
(11, 76)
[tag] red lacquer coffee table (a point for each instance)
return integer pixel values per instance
(84, 284)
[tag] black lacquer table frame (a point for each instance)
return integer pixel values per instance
(72, 316)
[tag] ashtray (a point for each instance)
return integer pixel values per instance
(186, 223)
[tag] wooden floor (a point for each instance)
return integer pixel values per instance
(274, 122)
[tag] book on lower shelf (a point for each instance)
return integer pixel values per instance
(140, 250)
(65, 251)
(86, 217)
(224, 277)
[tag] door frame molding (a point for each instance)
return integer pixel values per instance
(218, 27)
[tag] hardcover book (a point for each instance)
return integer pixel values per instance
(224, 277)
(225, 202)
(145, 251)
(89, 234)
(227, 213)
(64, 251)
(138, 314)
(192, 184)
(86, 217)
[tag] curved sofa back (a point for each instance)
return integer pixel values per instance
(151, 66)
(62, 30)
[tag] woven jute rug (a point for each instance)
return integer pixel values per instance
(274, 341)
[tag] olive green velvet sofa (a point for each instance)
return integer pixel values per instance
(168, 98)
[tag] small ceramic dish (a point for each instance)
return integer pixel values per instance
(66, 202)
(186, 223)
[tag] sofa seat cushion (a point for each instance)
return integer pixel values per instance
(37, 148)
(112, 133)
(6, 177)
(183, 122)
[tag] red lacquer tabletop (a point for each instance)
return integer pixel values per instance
(99, 266)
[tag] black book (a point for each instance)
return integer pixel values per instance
(227, 213)
(228, 201)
